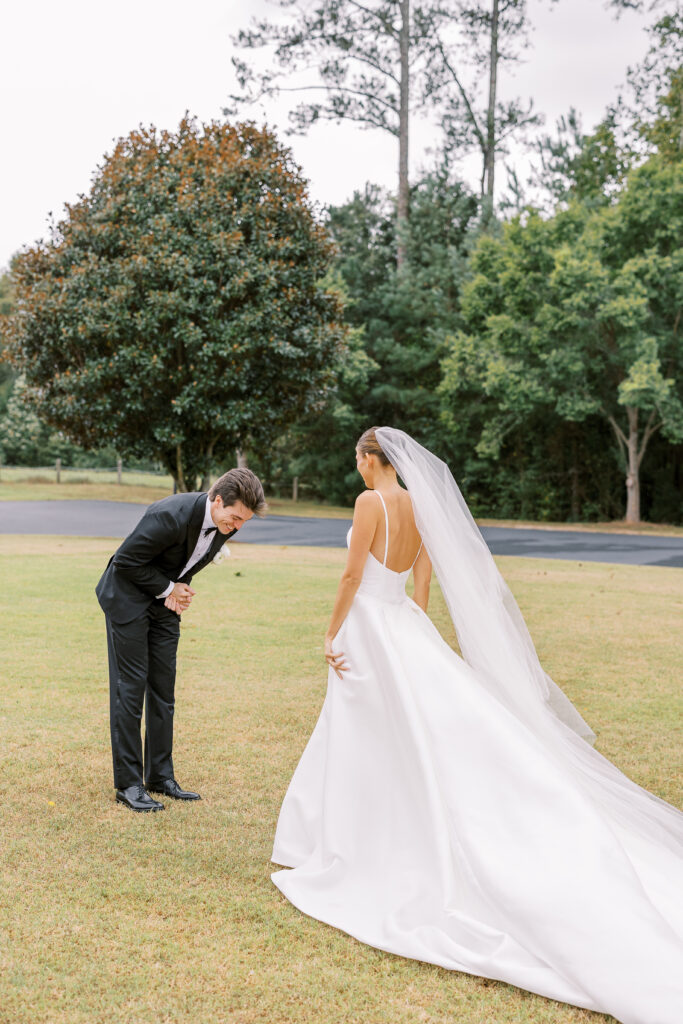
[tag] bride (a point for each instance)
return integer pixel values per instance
(453, 810)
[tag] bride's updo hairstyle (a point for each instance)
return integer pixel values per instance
(369, 445)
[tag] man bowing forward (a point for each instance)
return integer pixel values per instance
(142, 592)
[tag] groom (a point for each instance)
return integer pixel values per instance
(142, 592)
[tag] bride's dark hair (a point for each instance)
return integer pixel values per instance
(369, 445)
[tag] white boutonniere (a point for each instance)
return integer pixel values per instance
(221, 555)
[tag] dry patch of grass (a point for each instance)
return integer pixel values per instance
(115, 918)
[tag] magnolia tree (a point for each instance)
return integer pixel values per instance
(176, 312)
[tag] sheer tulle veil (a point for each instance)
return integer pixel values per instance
(495, 641)
(491, 631)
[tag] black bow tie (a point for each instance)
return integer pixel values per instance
(210, 529)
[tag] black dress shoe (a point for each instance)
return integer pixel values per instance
(138, 799)
(169, 787)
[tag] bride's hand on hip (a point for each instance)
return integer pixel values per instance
(335, 659)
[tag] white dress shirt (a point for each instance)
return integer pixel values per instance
(203, 544)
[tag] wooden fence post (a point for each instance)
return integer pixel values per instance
(118, 472)
(58, 468)
(295, 489)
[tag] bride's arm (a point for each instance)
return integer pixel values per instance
(365, 520)
(422, 577)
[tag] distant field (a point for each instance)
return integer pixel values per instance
(47, 475)
(114, 918)
(143, 488)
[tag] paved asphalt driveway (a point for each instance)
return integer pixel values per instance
(116, 519)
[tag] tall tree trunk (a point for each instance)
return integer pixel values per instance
(179, 471)
(633, 471)
(403, 134)
(574, 478)
(241, 459)
(634, 453)
(488, 180)
(206, 475)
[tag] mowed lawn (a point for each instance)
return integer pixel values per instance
(108, 917)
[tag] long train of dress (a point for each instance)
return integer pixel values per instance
(426, 820)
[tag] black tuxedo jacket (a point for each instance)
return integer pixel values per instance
(154, 554)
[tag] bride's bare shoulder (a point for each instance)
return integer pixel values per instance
(366, 504)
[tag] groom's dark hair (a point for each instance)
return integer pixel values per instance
(240, 485)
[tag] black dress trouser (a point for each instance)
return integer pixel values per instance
(142, 666)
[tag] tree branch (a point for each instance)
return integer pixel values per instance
(387, 26)
(338, 88)
(269, 85)
(650, 429)
(621, 436)
(377, 67)
(366, 120)
(468, 105)
(504, 133)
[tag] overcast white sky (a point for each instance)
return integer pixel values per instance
(76, 74)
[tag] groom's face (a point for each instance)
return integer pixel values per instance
(229, 517)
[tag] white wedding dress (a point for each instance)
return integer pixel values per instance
(425, 819)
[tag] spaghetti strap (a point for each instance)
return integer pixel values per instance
(386, 520)
(418, 554)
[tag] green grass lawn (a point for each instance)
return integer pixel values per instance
(114, 918)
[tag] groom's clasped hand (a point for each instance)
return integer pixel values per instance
(180, 598)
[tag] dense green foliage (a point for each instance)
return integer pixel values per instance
(575, 320)
(176, 313)
(6, 372)
(26, 440)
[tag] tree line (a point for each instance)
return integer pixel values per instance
(194, 304)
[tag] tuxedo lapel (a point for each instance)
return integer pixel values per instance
(195, 525)
(218, 542)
